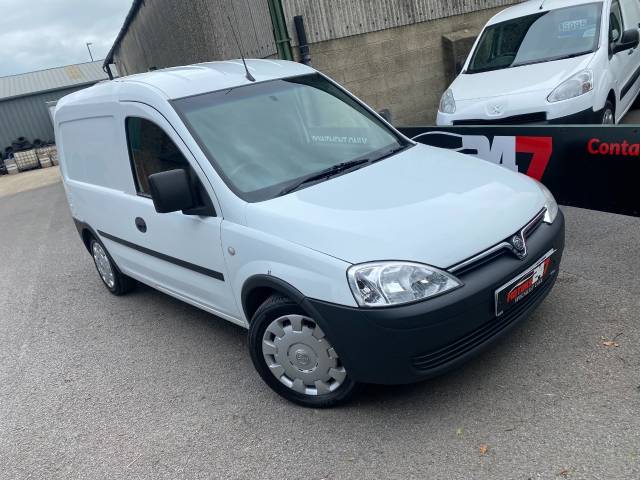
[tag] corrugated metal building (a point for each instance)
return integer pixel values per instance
(23, 99)
(389, 52)
(166, 33)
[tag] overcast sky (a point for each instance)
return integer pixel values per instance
(38, 34)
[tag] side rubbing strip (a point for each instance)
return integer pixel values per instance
(166, 258)
(629, 85)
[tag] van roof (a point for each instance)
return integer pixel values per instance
(185, 81)
(533, 6)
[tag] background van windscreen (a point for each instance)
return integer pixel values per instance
(541, 37)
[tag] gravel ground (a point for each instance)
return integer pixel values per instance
(143, 386)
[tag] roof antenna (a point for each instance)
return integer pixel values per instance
(248, 75)
(542, 4)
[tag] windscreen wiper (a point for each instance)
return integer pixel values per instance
(552, 59)
(322, 174)
(390, 152)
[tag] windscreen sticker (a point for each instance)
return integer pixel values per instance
(573, 25)
(339, 136)
(582, 28)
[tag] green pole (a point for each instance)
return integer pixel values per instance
(280, 34)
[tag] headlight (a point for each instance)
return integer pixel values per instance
(393, 283)
(577, 85)
(447, 102)
(549, 203)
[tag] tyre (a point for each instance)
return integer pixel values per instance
(609, 114)
(294, 356)
(115, 281)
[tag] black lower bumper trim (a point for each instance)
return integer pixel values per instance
(413, 342)
(481, 335)
(585, 117)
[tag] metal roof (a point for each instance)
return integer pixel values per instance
(133, 11)
(52, 79)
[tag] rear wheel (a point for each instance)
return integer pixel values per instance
(609, 114)
(294, 356)
(115, 281)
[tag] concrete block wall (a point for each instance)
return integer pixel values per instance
(402, 69)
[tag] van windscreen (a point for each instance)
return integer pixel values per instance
(541, 37)
(264, 137)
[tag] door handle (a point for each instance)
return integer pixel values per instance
(141, 224)
(631, 51)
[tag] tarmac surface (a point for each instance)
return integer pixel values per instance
(21, 182)
(143, 386)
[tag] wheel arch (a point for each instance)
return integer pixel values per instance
(257, 288)
(86, 233)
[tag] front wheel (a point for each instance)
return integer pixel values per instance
(608, 114)
(294, 356)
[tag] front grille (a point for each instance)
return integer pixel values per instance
(482, 334)
(497, 250)
(527, 118)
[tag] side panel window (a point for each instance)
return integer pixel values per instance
(92, 158)
(151, 151)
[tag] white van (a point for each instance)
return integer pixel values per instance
(553, 61)
(287, 206)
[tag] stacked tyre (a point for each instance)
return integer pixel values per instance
(20, 144)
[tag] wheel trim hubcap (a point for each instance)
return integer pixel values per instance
(607, 118)
(299, 355)
(103, 265)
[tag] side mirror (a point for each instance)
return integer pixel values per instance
(171, 191)
(630, 39)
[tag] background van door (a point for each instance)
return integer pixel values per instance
(624, 65)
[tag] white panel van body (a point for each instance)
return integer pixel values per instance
(287, 206)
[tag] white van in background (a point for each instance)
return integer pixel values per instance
(280, 202)
(553, 61)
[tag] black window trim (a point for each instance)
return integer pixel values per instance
(134, 172)
(622, 27)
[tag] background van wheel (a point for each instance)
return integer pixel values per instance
(609, 114)
(115, 281)
(294, 356)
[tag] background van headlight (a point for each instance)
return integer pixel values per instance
(549, 203)
(575, 86)
(447, 102)
(381, 284)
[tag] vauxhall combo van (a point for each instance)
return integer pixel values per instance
(280, 202)
(551, 61)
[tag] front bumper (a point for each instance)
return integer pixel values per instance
(527, 108)
(413, 342)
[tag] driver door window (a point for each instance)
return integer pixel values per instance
(151, 151)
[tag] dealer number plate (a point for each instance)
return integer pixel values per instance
(518, 289)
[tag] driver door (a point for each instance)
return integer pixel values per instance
(176, 253)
